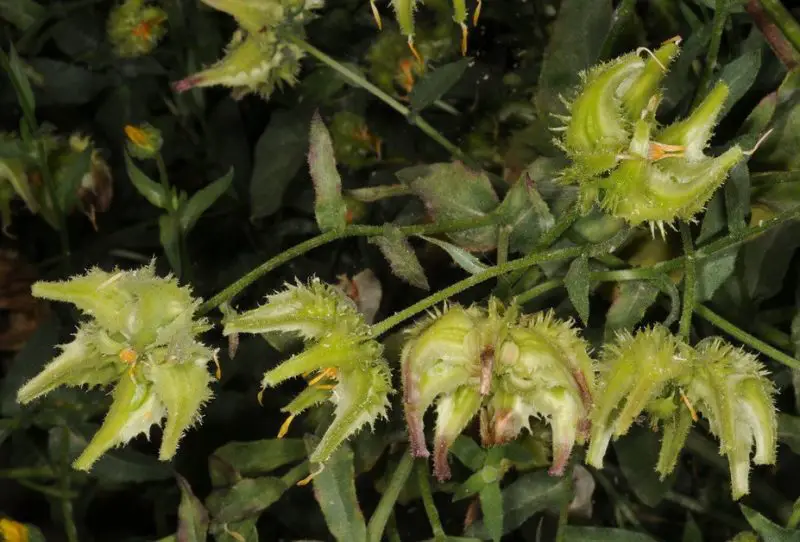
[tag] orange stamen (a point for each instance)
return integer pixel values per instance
(408, 75)
(143, 30)
(136, 135)
(285, 426)
(689, 406)
(128, 355)
(464, 33)
(414, 50)
(310, 477)
(477, 14)
(219, 369)
(657, 151)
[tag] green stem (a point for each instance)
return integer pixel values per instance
(27, 472)
(172, 211)
(491, 272)
(717, 26)
(296, 474)
(427, 501)
(357, 80)
(783, 20)
(377, 523)
(503, 234)
(50, 185)
(350, 231)
(539, 289)
(689, 282)
(64, 485)
(744, 337)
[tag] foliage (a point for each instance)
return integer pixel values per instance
(577, 246)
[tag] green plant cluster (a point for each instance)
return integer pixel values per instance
(477, 245)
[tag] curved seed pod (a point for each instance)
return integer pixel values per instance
(141, 337)
(731, 389)
(404, 13)
(636, 370)
(636, 98)
(437, 359)
(311, 311)
(134, 410)
(693, 132)
(251, 15)
(453, 413)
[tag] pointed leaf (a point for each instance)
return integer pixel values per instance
(278, 156)
(15, 69)
(202, 200)
(329, 206)
(526, 213)
(636, 451)
(253, 458)
(601, 534)
(192, 515)
(740, 75)
(492, 508)
(632, 300)
(168, 235)
(401, 257)
(578, 286)
(152, 191)
(435, 83)
(768, 530)
(21, 13)
(335, 491)
(714, 271)
(246, 499)
(464, 259)
(69, 177)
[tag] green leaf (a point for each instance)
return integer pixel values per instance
(21, 13)
(452, 192)
(526, 213)
(279, 155)
(192, 515)
(577, 36)
(236, 459)
(16, 70)
(578, 285)
(492, 508)
(713, 271)
(401, 257)
(238, 531)
(691, 531)
(468, 452)
(64, 83)
(151, 190)
(737, 197)
(740, 75)
(601, 534)
(636, 452)
(330, 208)
(168, 235)
(789, 431)
(115, 467)
(766, 260)
(69, 177)
(435, 83)
(464, 259)
(768, 530)
(246, 499)
(528, 494)
(632, 300)
(202, 200)
(335, 491)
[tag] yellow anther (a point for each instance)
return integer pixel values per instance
(376, 14)
(311, 476)
(414, 50)
(261, 397)
(689, 406)
(285, 426)
(477, 14)
(13, 531)
(326, 386)
(233, 534)
(328, 372)
(464, 34)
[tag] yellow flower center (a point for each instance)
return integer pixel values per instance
(137, 136)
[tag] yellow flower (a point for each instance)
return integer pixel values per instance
(144, 141)
(13, 531)
(135, 29)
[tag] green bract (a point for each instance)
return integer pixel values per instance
(514, 367)
(656, 373)
(135, 28)
(347, 365)
(259, 58)
(141, 339)
(623, 159)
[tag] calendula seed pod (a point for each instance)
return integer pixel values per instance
(341, 362)
(141, 339)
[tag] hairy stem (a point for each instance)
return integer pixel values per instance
(721, 11)
(784, 20)
(424, 483)
(689, 282)
(742, 336)
(357, 80)
(334, 235)
(377, 523)
(777, 41)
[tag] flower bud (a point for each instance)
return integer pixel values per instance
(141, 337)
(144, 141)
(135, 28)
